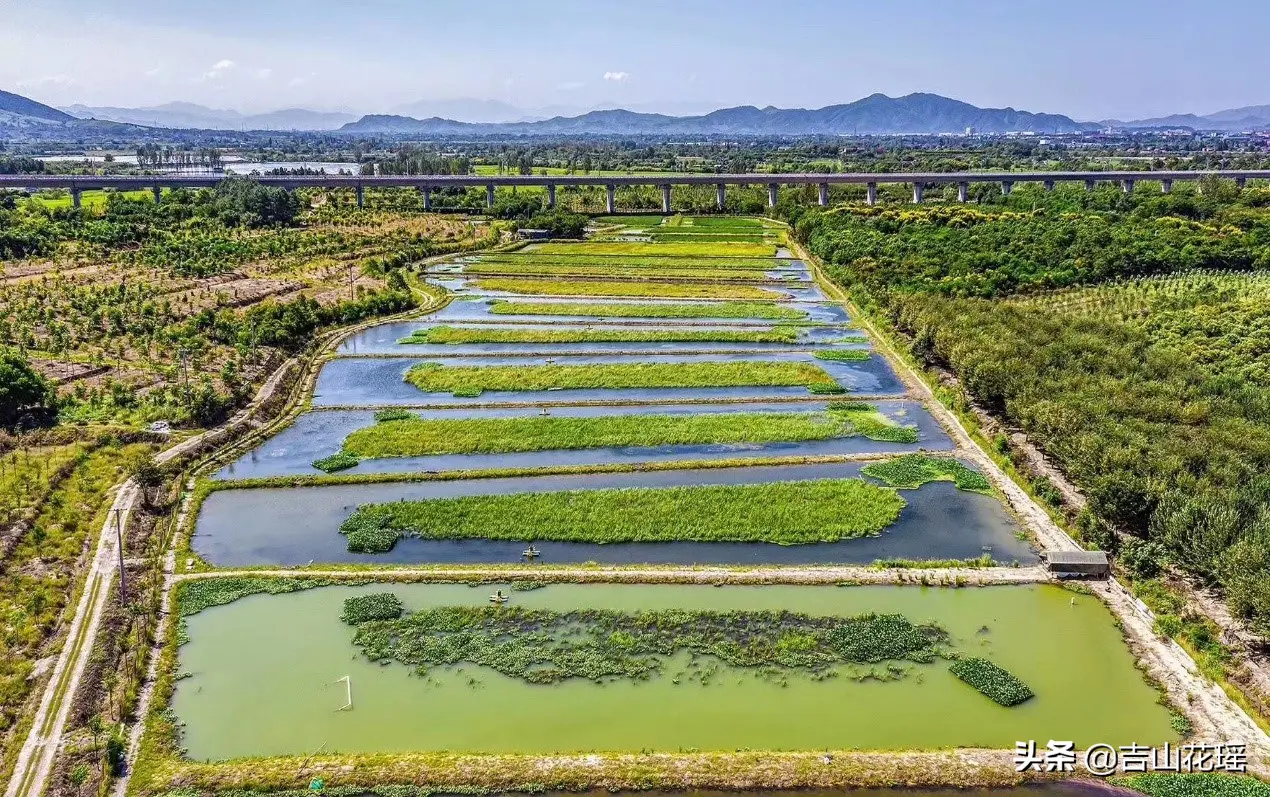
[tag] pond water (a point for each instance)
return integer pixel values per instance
(382, 339)
(476, 308)
(321, 433)
(298, 525)
(380, 381)
(279, 659)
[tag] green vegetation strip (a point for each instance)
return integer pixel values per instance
(1165, 784)
(913, 470)
(542, 646)
(548, 270)
(786, 513)
(473, 380)
(677, 249)
(762, 310)
(843, 355)
(204, 593)
(996, 683)
(676, 290)
(377, 606)
(633, 261)
(464, 335)
(416, 436)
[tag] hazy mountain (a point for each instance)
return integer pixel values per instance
(1233, 120)
(463, 109)
(877, 114)
(17, 105)
(188, 115)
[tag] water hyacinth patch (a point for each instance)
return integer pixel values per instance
(996, 683)
(843, 355)
(913, 470)
(336, 462)
(768, 311)
(378, 606)
(473, 380)
(784, 513)
(384, 416)
(543, 646)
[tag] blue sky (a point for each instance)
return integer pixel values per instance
(1089, 59)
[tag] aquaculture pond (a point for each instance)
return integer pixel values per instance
(410, 338)
(298, 525)
(319, 434)
(381, 381)
(291, 663)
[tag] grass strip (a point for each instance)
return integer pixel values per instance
(760, 310)
(675, 249)
(204, 593)
(473, 380)
(543, 646)
(784, 513)
(843, 355)
(447, 335)
(426, 436)
(636, 261)
(676, 290)
(622, 272)
(1193, 784)
(998, 684)
(913, 470)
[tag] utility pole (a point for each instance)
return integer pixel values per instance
(123, 574)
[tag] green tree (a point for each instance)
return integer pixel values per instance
(22, 388)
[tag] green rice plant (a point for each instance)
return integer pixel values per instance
(544, 646)
(998, 684)
(336, 462)
(377, 606)
(843, 355)
(417, 437)
(760, 310)
(384, 416)
(447, 335)
(472, 380)
(913, 470)
(675, 290)
(685, 249)
(784, 513)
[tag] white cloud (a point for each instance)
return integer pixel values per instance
(60, 81)
(617, 77)
(265, 73)
(219, 68)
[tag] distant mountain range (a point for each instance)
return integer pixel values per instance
(878, 114)
(189, 116)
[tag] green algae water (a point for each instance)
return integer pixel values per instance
(279, 659)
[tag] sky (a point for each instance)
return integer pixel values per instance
(1088, 59)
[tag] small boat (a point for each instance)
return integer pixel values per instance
(530, 553)
(498, 598)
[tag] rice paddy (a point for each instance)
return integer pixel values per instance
(765, 311)
(672, 290)
(449, 335)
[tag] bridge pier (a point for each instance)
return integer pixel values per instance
(963, 191)
(919, 189)
(551, 196)
(361, 197)
(1089, 185)
(720, 195)
(489, 195)
(1049, 186)
(610, 192)
(665, 198)
(1240, 182)
(75, 197)
(871, 193)
(1126, 186)
(772, 188)
(427, 197)
(158, 195)
(1166, 186)
(1006, 187)
(822, 196)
